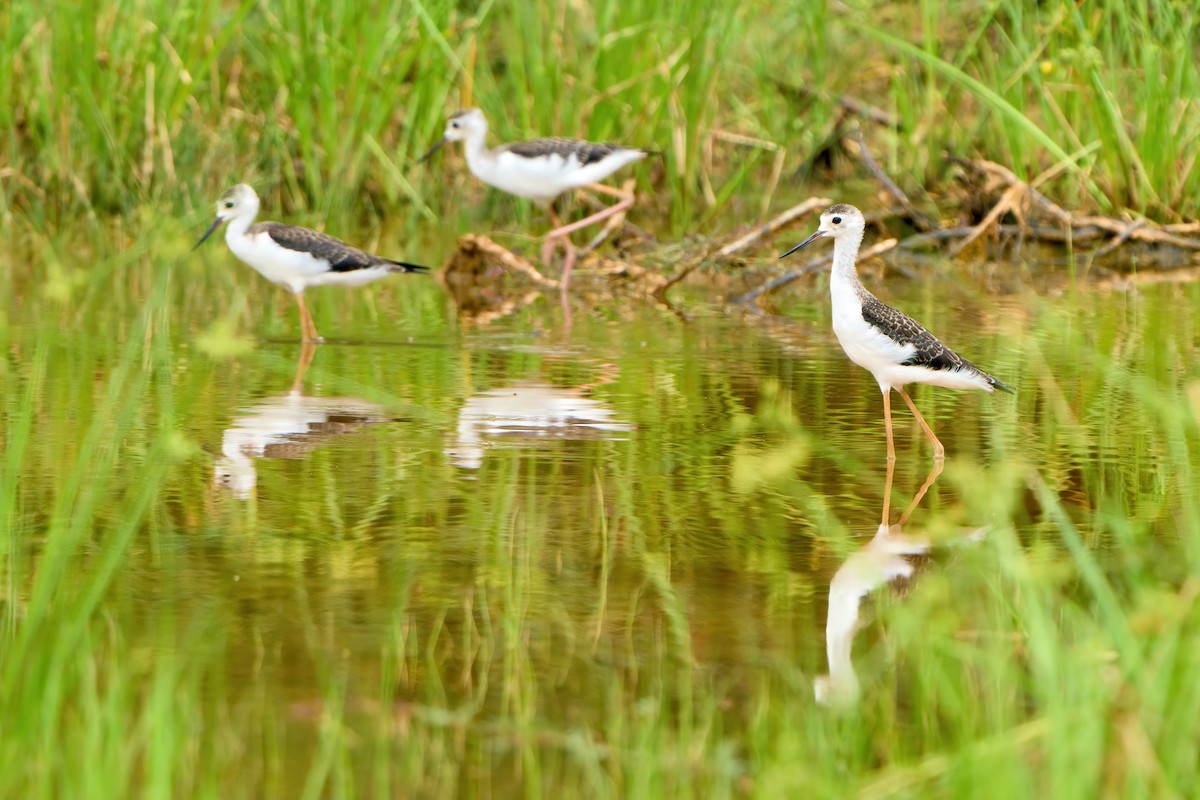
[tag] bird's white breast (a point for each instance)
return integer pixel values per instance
(294, 269)
(864, 344)
(883, 356)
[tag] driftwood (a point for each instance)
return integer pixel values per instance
(849, 105)
(743, 242)
(476, 249)
(1038, 218)
(1121, 230)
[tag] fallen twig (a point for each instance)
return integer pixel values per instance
(1120, 238)
(475, 245)
(1120, 229)
(758, 234)
(849, 104)
(611, 225)
(783, 280)
(920, 220)
(1008, 202)
(773, 225)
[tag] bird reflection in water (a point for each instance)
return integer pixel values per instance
(287, 426)
(875, 564)
(529, 411)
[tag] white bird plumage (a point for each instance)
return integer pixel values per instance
(295, 257)
(892, 346)
(542, 169)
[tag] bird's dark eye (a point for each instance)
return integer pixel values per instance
(453, 124)
(229, 204)
(836, 220)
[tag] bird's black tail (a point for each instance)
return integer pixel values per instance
(404, 266)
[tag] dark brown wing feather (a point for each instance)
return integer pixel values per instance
(586, 152)
(341, 256)
(929, 352)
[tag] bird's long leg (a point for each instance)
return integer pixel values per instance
(564, 281)
(939, 464)
(891, 459)
(939, 452)
(611, 191)
(614, 222)
(549, 242)
(307, 326)
(563, 232)
(626, 202)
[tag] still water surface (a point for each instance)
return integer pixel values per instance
(511, 525)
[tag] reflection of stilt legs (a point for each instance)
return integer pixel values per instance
(307, 351)
(939, 459)
(939, 464)
(560, 235)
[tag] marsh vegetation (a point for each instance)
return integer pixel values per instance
(493, 557)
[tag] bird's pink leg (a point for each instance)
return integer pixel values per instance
(563, 232)
(564, 281)
(549, 242)
(308, 328)
(626, 202)
(939, 452)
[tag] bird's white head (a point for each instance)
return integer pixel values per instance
(239, 202)
(841, 221)
(466, 125)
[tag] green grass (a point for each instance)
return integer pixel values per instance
(324, 106)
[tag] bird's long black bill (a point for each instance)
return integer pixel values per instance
(807, 241)
(441, 143)
(208, 233)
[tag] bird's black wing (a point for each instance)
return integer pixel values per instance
(929, 352)
(341, 256)
(585, 152)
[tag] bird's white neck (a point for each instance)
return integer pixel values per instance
(475, 147)
(237, 226)
(845, 251)
(844, 285)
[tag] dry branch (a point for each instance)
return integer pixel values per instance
(773, 225)
(478, 245)
(783, 280)
(753, 237)
(1121, 230)
(920, 220)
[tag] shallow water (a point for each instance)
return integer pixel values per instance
(520, 533)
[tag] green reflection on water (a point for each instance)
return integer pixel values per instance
(454, 557)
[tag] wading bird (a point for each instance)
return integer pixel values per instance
(542, 169)
(892, 346)
(295, 257)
